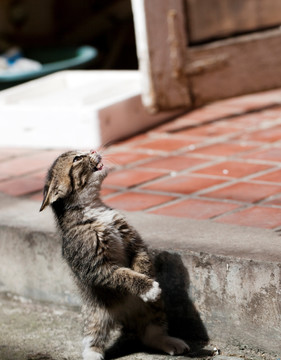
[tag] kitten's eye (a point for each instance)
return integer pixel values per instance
(77, 158)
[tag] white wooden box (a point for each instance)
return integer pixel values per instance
(75, 109)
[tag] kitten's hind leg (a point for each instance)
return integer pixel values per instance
(98, 324)
(156, 337)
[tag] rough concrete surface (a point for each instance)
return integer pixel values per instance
(219, 281)
(32, 330)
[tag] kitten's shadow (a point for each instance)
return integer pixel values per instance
(183, 319)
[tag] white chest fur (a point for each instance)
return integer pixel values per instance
(104, 220)
(105, 216)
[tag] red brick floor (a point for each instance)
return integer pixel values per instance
(221, 162)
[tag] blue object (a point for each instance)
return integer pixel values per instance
(11, 59)
(52, 60)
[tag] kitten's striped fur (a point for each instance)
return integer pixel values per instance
(111, 264)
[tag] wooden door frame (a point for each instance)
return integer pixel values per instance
(178, 76)
(161, 46)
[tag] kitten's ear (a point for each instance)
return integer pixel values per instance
(47, 197)
(52, 193)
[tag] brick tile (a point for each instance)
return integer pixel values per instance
(173, 163)
(200, 117)
(265, 135)
(133, 201)
(166, 144)
(168, 126)
(276, 202)
(272, 114)
(255, 119)
(223, 149)
(37, 197)
(213, 111)
(130, 177)
(133, 140)
(195, 209)
(177, 124)
(233, 169)
(4, 177)
(21, 185)
(274, 176)
(257, 216)
(208, 131)
(29, 163)
(226, 108)
(183, 184)
(254, 101)
(104, 191)
(123, 158)
(271, 154)
(246, 120)
(107, 191)
(223, 108)
(41, 175)
(6, 153)
(244, 191)
(191, 118)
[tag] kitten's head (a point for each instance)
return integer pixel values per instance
(72, 172)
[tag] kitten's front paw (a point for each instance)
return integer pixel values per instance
(89, 354)
(153, 294)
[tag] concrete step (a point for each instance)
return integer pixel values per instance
(32, 330)
(220, 282)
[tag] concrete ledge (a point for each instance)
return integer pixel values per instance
(53, 332)
(219, 281)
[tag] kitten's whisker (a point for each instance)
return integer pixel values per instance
(108, 143)
(100, 149)
(103, 146)
(109, 158)
(113, 162)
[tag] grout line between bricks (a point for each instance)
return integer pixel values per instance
(194, 197)
(233, 211)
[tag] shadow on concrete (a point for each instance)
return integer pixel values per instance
(183, 318)
(8, 353)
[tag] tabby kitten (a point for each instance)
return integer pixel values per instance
(108, 258)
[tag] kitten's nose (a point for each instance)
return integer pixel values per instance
(92, 151)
